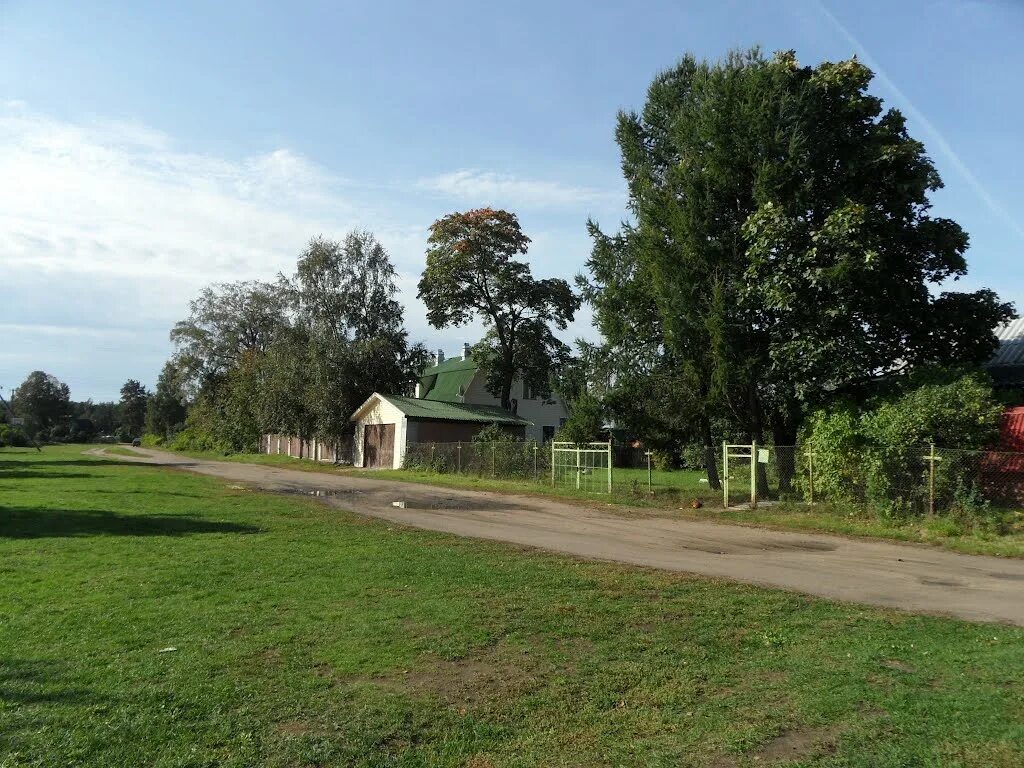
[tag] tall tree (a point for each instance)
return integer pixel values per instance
(783, 242)
(134, 399)
(472, 272)
(354, 341)
(165, 412)
(43, 401)
(226, 321)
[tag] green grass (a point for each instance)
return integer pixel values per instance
(675, 489)
(307, 636)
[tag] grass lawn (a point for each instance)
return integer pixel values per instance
(675, 489)
(303, 635)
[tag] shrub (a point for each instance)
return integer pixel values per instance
(13, 437)
(493, 433)
(877, 456)
(585, 421)
(149, 440)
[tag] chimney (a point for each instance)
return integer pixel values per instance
(439, 357)
(466, 347)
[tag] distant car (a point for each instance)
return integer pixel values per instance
(137, 443)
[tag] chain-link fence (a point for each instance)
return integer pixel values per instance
(518, 460)
(889, 482)
(902, 482)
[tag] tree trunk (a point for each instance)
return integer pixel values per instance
(710, 457)
(757, 436)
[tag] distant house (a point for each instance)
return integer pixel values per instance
(451, 404)
(1007, 365)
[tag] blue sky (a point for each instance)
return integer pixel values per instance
(148, 151)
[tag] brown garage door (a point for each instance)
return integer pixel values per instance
(378, 445)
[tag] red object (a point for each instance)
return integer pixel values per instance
(1011, 431)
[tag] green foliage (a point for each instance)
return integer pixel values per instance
(166, 410)
(495, 433)
(877, 455)
(134, 401)
(13, 437)
(43, 401)
(294, 356)
(585, 422)
(150, 440)
(783, 249)
(472, 272)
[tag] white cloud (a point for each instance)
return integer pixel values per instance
(485, 187)
(108, 229)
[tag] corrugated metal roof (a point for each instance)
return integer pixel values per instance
(448, 381)
(1011, 344)
(419, 408)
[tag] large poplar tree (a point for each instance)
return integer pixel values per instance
(782, 246)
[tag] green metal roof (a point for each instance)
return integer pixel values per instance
(449, 381)
(419, 408)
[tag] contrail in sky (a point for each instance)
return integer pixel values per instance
(947, 149)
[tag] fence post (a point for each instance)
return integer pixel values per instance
(552, 463)
(458, 451)
(810, 477)
(650, 486)
(931, 458)
(753, 475)
(577, 467)
(536, 473)
(432, 465)
(609, 466)
(493, 448)
(725, 475)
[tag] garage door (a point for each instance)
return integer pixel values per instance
(378, 445)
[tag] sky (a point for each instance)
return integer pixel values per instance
(149, 149)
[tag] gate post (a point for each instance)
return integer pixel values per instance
(552, 463)
(753, 474)
(725, 475)
(609, 466)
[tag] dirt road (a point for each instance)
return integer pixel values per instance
(907, 577)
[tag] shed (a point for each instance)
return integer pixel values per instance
(386, 424)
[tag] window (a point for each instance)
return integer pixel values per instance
(549, 434)
(527, 391)
(561, 422)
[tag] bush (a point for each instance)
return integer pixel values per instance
(196, 439)
(585, 422)
(13, 437)
(149, 440)
(494, 433)
(878, 456)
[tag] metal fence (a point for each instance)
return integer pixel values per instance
(517, 460)
(586, 467)
(904, 482)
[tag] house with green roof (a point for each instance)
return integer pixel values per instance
(451, 404)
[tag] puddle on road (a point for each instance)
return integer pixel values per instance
(433, 504)
(314, 492)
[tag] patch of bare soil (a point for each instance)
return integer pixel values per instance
(294, 728)
(788, 747)
(495, 673)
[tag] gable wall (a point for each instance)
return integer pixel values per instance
(382, 412)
